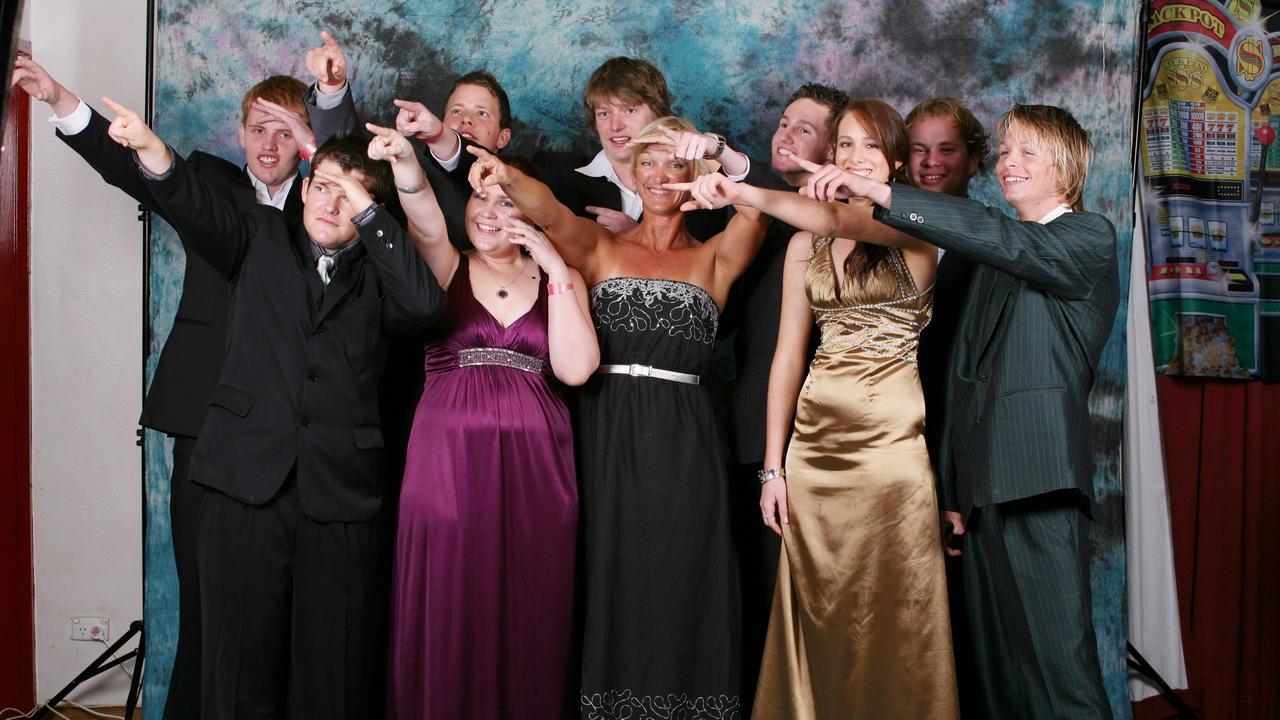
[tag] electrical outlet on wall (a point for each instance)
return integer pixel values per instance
(89, 628)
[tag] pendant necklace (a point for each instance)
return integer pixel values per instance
(502, 289)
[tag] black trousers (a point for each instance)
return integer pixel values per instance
(758, 549)
(1027, 596)
(287, 616)
(183, 701)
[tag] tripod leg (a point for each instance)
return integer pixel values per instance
(95, 668)
(135, 683)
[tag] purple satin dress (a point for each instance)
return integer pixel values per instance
(482, 607)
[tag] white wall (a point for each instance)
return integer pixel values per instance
(86, 308)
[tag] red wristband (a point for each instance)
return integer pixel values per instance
(308, 151)
(437, 136)
(558, 288)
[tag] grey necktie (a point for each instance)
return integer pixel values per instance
(324, 266)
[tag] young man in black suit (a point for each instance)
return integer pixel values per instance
(273, 136)
(477, 112)
(751, 315)
(288, 455)
(621, 97)
(948, 148)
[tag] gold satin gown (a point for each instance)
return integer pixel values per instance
(860, 626)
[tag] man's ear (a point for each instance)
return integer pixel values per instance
(306, 183)
(504, 137)
(240, 134)
(829, 155)
(974, 162)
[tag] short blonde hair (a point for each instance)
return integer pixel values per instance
(1057, 131)
(670, 122)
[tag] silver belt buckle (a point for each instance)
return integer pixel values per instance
(640, 371)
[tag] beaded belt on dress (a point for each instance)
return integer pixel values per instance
(500, 356)
(647, 371)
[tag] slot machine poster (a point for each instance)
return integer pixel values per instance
(1211, 186)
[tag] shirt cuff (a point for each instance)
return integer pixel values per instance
(452, 163)
(742, 175)
(329, 101)
(75, 123)
(148, 175)
(365, 216)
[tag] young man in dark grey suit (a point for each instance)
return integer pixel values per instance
(1016, 461)
(289, 452)
(273, 137)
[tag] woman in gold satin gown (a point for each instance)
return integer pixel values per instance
(859, 626)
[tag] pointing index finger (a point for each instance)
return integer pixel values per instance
(116, 107)
(328, 39)
(806, 165)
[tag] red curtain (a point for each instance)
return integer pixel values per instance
(1222, 451)
(17, 640)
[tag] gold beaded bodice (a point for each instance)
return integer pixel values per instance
(880, 315)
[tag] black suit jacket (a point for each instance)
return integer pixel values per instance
(950, 292)
(191, 358)
(755, 304)
(299, 383)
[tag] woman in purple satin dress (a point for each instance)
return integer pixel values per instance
(482, 597)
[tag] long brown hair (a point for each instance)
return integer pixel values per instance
(885, 125)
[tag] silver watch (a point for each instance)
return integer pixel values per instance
(715, 154)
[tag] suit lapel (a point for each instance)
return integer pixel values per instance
(307, 266)
(345, 275)
(1001, 287)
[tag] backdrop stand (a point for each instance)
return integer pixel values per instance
(103, 663)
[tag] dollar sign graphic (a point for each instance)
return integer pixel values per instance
(1249, 64)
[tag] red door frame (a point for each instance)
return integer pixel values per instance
(17, 641)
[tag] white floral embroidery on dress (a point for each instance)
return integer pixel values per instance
(631, 304)
(623, 704)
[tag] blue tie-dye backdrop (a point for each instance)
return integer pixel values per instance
(730, 66)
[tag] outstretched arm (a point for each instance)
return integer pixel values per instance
(331, 109)
(416, 121)
(40, 85)
(699, 145)
(83, 130)
(819, 218)
(208, 220)
(575, 238)
(799, 211)
(738, 244)
(426, 221)
(1065, 257)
